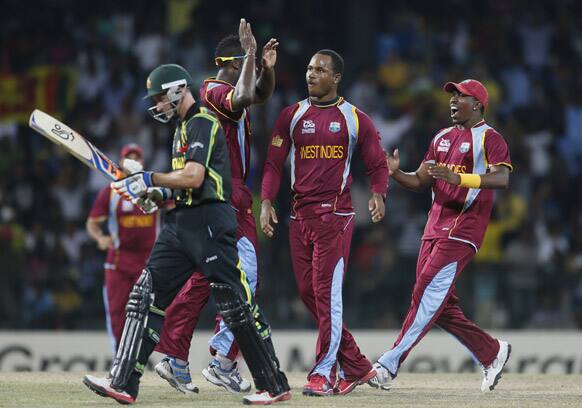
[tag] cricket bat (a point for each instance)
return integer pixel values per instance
(62, 135)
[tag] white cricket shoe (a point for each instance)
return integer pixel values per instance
(493, 372)
(265, 398)
(383, 379)
(177, 375)
(230, 380)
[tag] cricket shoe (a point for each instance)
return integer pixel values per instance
(383, 379)
(266, 398)
(492, 373)
(102, 386)
(318, 386)
(344, 386)
(177, 375)
(230, 380)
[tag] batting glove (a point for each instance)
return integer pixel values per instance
(159, 194)
(135, 186)
(147, 205)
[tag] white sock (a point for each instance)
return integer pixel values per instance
(225, 363)
(181, 362)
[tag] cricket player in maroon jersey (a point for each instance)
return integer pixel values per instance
(229, 95)
(463, 164)
(131, 235)
(320, 134)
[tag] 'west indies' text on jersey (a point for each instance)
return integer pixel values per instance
(462, 213)
(321, 141)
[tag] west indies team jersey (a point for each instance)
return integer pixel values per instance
(217, 96)
(457, 212)
(133, 232)
(321, 141)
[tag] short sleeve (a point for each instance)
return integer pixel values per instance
(218, 97)
(496, 150)
(101, 205)
(201, 131)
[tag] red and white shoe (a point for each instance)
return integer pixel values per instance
(102, 386)
(266, 398)
(318, 385)
(344, 386)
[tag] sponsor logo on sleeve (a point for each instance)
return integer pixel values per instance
(334, 127)
(308, 126)
(444, 145)
(465, 146)
(277, 141)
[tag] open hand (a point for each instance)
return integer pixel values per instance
(393, 162)
(246, 37)
(270, 54)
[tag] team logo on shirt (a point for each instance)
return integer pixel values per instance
(444, 145)
(334, 127)
(465, 146)
(308, 126)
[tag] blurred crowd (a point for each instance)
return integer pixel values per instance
(528, 273)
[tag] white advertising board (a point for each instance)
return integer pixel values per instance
(533, 351)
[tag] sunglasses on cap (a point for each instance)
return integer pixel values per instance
(218, 60)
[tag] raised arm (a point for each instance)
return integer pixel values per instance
(244, 90)
(248, 89)
(266, 81)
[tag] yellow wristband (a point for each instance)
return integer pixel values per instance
(470, 180)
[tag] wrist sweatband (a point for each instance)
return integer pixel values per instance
(470, 180)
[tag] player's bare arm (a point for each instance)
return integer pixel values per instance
(191, 176)
(93, 227)
(268, 214)
(244, 89)
(415, 181)
(496, 178)
(266, 81)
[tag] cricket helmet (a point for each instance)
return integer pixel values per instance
(169, 80)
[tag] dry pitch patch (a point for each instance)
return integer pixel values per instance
(411, 390)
